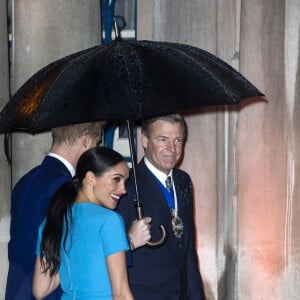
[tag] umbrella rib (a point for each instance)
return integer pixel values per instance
(207, 71)
(172, 47)
(130, 85)
(81, 56)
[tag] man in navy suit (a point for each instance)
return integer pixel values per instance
(170, 271)
(30, 198)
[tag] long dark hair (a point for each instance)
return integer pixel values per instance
(97, 160)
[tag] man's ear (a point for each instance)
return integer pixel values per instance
(85, 140)
(144, 140)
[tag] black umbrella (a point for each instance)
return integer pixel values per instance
(123, 80)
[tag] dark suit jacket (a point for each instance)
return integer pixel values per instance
(170, 271)
(29, 202)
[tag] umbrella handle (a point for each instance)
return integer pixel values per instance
(162, 239)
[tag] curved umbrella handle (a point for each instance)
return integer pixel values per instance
(138, 204)
(162, 239)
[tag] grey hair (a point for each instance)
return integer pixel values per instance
(172, 118)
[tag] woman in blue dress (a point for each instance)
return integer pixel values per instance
(82, 241)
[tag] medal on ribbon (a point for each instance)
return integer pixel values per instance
(177, 224)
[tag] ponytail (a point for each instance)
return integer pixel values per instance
(59, 214)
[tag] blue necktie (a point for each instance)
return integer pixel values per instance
(170, 197)
(169, 184)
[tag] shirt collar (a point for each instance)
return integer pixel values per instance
(161, 176)
(64, 161)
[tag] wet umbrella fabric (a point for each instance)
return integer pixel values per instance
(123, 80)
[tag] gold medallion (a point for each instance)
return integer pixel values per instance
(177, 224)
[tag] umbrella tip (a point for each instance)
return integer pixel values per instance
(117, 29)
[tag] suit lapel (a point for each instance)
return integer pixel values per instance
(178, 186)
(153, 186)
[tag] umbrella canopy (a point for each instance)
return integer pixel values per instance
(123, 80)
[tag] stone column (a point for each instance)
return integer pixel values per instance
(268, 138)
(43, 31)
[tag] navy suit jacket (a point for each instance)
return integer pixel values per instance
(29, 202)
(171, 271)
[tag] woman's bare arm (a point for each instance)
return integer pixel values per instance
(43, 284)
(117, 270)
